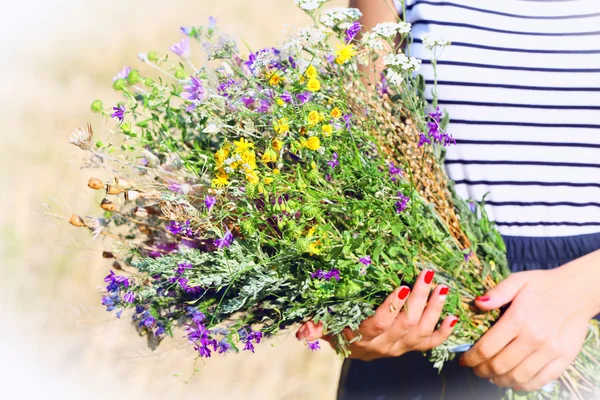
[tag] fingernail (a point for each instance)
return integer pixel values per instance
(444, 290)
(404, 291)
(428, 276)
(454, 321)
(482, 298)
(461, 362)
(301, 334)
(518, 388)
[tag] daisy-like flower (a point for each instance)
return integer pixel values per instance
(312, 143)
(123, 74)
(313, 85)
(344, 53)
(82, 137)
(313, 346)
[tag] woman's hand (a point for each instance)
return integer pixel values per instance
(543, 329)
(404, 322)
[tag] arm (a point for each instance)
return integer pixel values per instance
(543, 329)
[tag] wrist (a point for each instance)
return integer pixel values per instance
(582, 277)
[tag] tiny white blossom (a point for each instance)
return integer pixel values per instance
(373, 41)
(310, 5)
(340, 17)
(389, 59)
(432, 43)
(394, 77)
(390, 29)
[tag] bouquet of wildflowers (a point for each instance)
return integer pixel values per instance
(263, 190)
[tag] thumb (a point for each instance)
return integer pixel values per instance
(310, 331)
(502, 294)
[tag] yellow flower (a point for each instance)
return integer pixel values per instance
(313, 247)
(344, 53)
(281, 126)
(313, 85)
(269, 156)
(312, 143)
(268, 180)
(275, 79)
(221, 155)
(314, 117)
(242, 145)
(252, 177)
(311, 232)
(277, 144)
(327, 130)
(311, 72)
(336, 113)
(221, 180)
(276, 171)
(249, 158)
(280, 102)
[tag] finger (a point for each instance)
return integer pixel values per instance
(433, 311)
(385, 314)
(525, 370)
(501, 294)
(415, 304)
(548, 374)
(310, 331)
(506, 360)
(492, 342)
(438, 337)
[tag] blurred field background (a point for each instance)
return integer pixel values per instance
(57, 341)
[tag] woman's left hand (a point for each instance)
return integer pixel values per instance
(543, 329)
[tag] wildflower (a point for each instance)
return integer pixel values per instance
(286, 97)
(394, 171)
(276, 171)
(313, 346)
(423, 140)
(182, 48)
(185, 30)
(181, 188)
(115, 281)
(344, 53)
(280, 102)
(327, 130)
(334, 161)
(304, 97)
(221, 180)
(242, 145)
(275, 80)
(209, 201)
(402, 203)
(352, 31)
(390, 29)
(366, 260)
(311, 72)
(110, 301)
(326, 275)
(252, 177)
(281, 126)
(82, 137)
(248, 159)
(432, 43)
(223, 346)
(221, 155)
(340, 16)
(225, 241)
(123, 74)
(309, 5)
(200, 336)
(314, 117)
(472, 206)
(336, 113)
(313, 85)
(467, 256)
(184, 229)
(347, 119)
(119, 112)
(267, 180)
(394, 77)
(194, 92)
(269, 156)
(312, 143)
(277, 144)
(129, 297)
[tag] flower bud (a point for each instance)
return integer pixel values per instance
(107, 254)
(117, 266)
(96, 184)
(120, 84)
(77, 221)
(107, 205)
(97, 106)
(111, 189)
(152, 56)
(134, 77)
(180, 74)
(143, 57)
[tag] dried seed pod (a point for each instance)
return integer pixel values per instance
(117, 266)
(108, 205)
(122, 182)
(111, 189)
(131, 195)
(77, 221)
(140, 212)
(107, 254)
(96, 184)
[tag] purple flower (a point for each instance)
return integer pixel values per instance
(147, 320)
(330, 59)
(352, 31)
(472, 206)
(160, 330)
(209, 201)
(402, 203)
(313, 346)
(223, 346)
(467, 256)
(264, 106)
(182, 48)
(225, 241)
(185, 30)
(110, 301)
(181, 267)
(200, 336)
(123, 74)
(334, 161)
(347, 119)
(248, 346)
(119, 112)
(382, 86)
(193, 92)
(181, 188)
(223, 86)
(366, 260)
(326, 275)
(434, 131)
(212, 22)
(180, 229)
(115, 281)
(304, 97)
(394, 171)
(129, 297)
(423, 140)
(118, 313)
(286, 96)
(248, 101)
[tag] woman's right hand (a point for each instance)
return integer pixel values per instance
(404, 322)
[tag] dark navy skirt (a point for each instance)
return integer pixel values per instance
(412, 377)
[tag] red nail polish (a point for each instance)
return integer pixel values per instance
(482, 298)
(453, 322)
(403, 293)
(428, 276)
(444, 290)
(461, 362)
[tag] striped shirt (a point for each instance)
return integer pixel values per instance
(521, 82)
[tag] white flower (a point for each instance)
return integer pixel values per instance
(372, 41)
(389, 59)
(432, 43)
(390, 29)
(340, 17)
(394, 77)
(310, 5)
